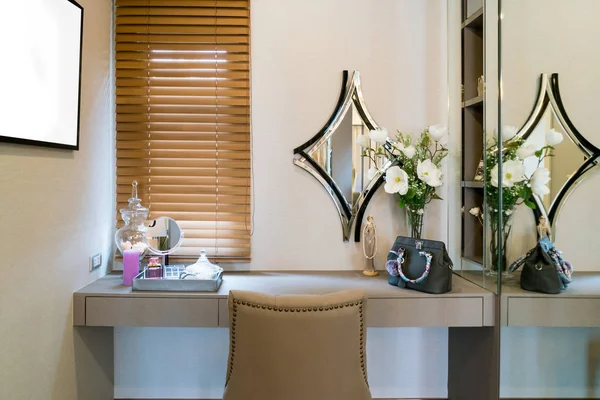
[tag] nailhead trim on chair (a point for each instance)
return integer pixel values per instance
(282, 309)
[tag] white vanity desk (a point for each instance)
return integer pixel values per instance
(106, 302)
(468, 311)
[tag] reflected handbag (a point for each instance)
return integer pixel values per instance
(418, 264)
(544, 269)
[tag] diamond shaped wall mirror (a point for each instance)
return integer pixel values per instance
(571, 159)
(333, 156)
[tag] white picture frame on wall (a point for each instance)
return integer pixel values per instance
(41, 77)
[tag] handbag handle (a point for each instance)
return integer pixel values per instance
(397, 267)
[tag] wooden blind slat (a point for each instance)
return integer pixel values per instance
(182, 12)
(183, 3)
(183, 118)
(233, 35)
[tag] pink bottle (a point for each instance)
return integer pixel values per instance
(131, 266)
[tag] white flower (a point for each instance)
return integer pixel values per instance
(553, 138)
(508, 132)
(508, 212)
(429, 173)
(363, 141)
(371, 173)
(396, 181)
(527, 150)
(475, 211)
(437, 132)
(512, 172)
(409, 151)
(421, 212)
(539, 179)
(398, 149)
(379, 135)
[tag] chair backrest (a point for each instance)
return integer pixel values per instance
(297, 347)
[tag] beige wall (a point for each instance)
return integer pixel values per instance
(56, 209)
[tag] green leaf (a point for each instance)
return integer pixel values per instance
(530, 204)
(401, 203)
(539, 153)
(435, 196)
(410, 194)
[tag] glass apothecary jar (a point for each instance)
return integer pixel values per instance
(132, 236)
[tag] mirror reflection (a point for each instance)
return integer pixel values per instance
(566, 158)
(340, 156)
(164, 235)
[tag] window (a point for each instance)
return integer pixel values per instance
(183, 118)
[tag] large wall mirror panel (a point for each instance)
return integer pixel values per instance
(549, 59)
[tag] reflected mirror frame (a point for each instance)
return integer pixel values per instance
(549, 95)
(351, 93)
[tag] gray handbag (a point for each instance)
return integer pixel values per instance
(419, 264)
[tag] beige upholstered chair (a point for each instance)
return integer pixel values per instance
(297, 347)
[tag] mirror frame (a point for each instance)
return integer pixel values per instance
(351, 93)
(549, 95)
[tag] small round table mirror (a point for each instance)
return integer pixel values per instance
(164, 236)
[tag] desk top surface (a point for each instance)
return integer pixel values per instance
(585, 284)
(287, 282)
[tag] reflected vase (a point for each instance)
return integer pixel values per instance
(498, 256)
(415, 220)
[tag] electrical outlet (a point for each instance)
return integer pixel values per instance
(95, 261)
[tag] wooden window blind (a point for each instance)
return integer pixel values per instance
(183, 118)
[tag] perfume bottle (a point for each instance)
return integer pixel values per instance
(132, 236)
(154, 269)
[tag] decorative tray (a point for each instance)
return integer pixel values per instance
(171, 281)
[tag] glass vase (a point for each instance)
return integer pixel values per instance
(498, 254)
(415, 219)
(132, 236)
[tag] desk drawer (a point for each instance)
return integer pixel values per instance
(403, 312)
(149, 311)
(556, 311)
(426, 312)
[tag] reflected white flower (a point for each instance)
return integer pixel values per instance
(527, 150)
(553, 137)
(475, 211)
(508, 132)
(396, 181)
(539, 179)
(379, 135)
(363, 141)
(429, 173)
(421, 212)
(437, 132)
(512, 172)
(409, 151)
(371, 173)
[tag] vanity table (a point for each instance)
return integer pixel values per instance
(468, 311)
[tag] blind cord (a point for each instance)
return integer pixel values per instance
(250, 190)
(149, 150)
(216, 137)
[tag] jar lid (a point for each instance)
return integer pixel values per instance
(135, 203)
